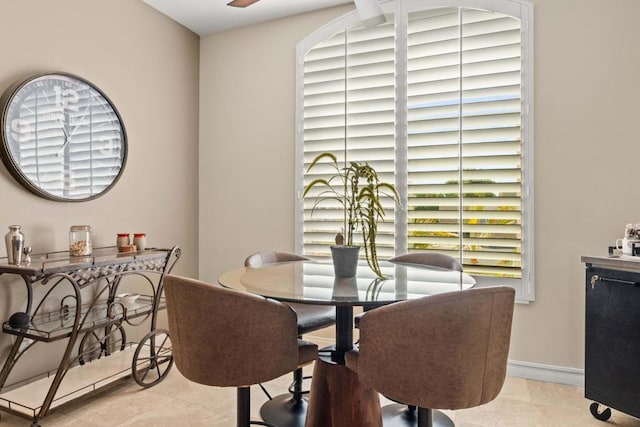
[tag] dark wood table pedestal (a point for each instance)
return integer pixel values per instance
(338, 399)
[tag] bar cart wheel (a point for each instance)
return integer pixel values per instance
(153, 358)
(602, 416)
(95, 344)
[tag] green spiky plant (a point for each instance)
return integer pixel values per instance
(359, 190)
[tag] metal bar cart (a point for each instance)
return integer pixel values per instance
(80, 301)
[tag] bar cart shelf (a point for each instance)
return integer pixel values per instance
(80, 304)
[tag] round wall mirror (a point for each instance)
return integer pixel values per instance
(62, 138)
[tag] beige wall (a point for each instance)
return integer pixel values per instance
(148, 66)
(587, 66)
(247, 132)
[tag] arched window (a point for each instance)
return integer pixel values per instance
(439, 101)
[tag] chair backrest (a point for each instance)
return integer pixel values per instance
(223, 337)
(260, 258)
(429, 258)
(446, 351)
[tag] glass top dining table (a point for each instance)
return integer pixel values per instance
(313, 282)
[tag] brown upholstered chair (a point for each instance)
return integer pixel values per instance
(310, 317)
(290, 410)
(259, 259)
(429, 258)
(432, 259)
(227, 338)
(446, 351)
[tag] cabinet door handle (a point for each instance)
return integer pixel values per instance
(595, 278)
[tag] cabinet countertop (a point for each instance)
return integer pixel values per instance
(617, 262)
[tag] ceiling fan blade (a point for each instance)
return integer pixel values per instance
(241, 3)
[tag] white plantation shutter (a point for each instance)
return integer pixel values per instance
(463, 96)
(349, 95)
(464, 144)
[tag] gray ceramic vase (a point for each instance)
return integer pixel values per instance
(345, 260)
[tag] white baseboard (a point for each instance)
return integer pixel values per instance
(549, 373)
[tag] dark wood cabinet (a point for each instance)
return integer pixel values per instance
(612, 335)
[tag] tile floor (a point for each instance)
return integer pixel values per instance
(178, 402)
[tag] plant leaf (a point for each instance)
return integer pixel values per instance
(315, 182)
(321, 156)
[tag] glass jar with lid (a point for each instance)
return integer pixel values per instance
(140, 241)
(80, 240)
(122, 240)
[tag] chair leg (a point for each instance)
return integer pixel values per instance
(425, 417)
(298, 379)
(297, 385)
(243, 407)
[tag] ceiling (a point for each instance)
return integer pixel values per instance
(208, 16)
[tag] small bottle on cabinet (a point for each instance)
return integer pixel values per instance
(14, 240)
(140, 241)
(123, 240)
(80, 240)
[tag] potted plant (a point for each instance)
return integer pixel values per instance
(358, 189)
